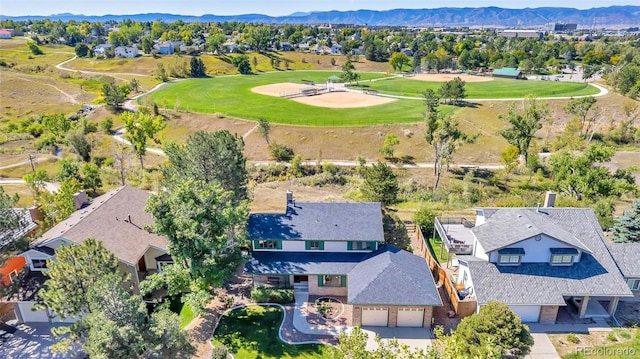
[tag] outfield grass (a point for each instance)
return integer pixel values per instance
(252, 332)
(498, 88)
(233, 97)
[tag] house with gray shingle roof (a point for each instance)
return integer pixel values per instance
(540, 261)
(627, 257)
(335, 249)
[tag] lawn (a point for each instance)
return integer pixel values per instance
(252, 332)
(498, 88)
(435, 244)
(232, 96)
(621, 343)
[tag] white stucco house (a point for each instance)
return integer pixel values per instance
(127, 52)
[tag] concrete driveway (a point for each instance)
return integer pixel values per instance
(32, 341)
(412, 337)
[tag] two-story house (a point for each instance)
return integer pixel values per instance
(335, 249)
(117, 219)
(541, 261)
(127, 52)
(627, 257)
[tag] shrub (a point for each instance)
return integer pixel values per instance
(280, 152)
(612, 337)
(272, 295)
(220, 352)
(425, 218)
(572, 338)
(106, 124)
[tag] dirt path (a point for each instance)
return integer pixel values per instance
(68, 96)
(61, 66)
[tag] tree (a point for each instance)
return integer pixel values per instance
(34, 48)
(509, 159)
(140, 128)
(134, 85)
(121, 156)
(214, 158)
(353, 345)
(10, 221)
(160, 73)
(425, 218)
(68, 169)
(390, 141)
(82, 50)
(70, 276)
(380, 184)
(263, 128)
(453, 91)
(91, 176)
(581, 107)
(115, 95)
(626, 228)
(348, 74)
(59, 205)
(147, 45)
(242, 64)
(197, 67)
(398, 60)
(36, 181)
(442, 134)
(577, 174)
(204, 227)
(495, 332)
(395, 232)
(77, 139)
(524, 125)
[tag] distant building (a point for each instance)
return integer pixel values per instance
(6, 34)
(508, 73)
(522, 34)
(565, 27)
(102, 49)
(128, 52)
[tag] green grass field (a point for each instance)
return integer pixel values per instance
(252, 332)
(498, 88)
(232, 96)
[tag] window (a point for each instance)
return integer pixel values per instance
(361, 246)
(13, 275)
(314, 245)
(268, 245)
(39, 263)
(161, 265)
(634, 284)
(332, 281)
(509, 259)
(561, 259)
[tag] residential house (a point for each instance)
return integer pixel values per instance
(539, 261)
(117, 219)
(407, 51)
(627, 257)
(127, 52)
(508, 73)
(102, 49)
(165, 48)
(334, 249)
(6, 34)
(286, 46)
(336, 49)
(27, 218)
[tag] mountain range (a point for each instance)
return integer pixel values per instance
(607, 17)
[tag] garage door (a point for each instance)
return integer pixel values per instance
(30, 316)
(528, 313)
(410, 317)
(375, 317)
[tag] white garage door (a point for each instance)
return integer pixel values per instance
(29, 316)
(410, 317)
(528, 313)
(375, 317)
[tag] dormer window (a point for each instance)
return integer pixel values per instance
(510, 256)
(563, 256)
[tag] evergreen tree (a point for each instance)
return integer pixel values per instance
(627, 227)
(380, 185)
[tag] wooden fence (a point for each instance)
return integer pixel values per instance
(462, 307)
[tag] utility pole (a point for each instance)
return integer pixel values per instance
(31, 158)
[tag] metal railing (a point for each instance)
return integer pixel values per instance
(449, 243)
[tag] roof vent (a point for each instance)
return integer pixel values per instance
(529, 226)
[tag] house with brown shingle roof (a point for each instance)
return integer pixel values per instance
(118, 220)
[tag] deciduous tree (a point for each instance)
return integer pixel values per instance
(115, 95)
(390, 142)
(140, 128)
(582, 108)
(398, 60)
(523, 126)
(509, 159)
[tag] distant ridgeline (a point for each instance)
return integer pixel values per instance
(604, 17)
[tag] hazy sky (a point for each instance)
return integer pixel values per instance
(269, 7)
